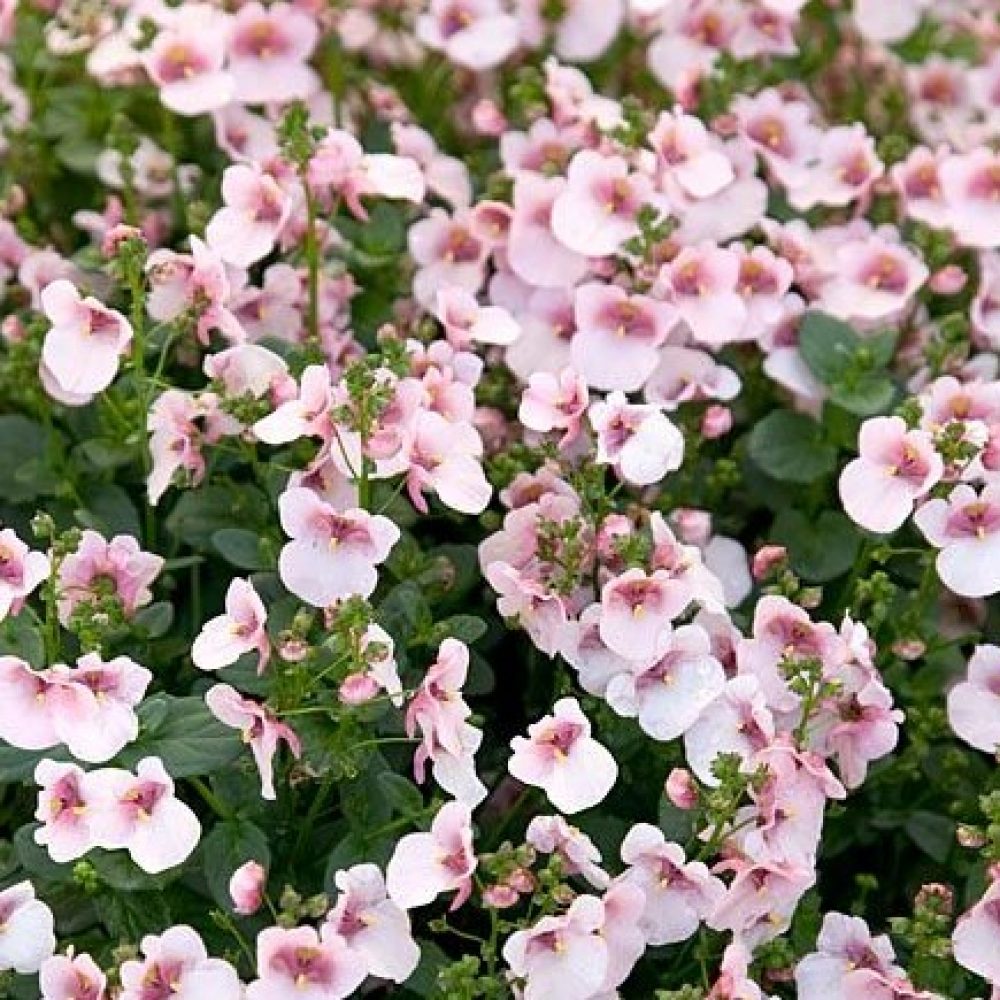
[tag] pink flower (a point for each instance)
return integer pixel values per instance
(341, 168)
(176, 962)
(579, 854)
(759, 903)
(738, 721)
(72, 977)
(185, 60)
(373, 926)
(246, 888)
(868, 729)
(555, 402)
(668, 696)
(424, 865)
(844, 169)
(93, 705)
(688, 157)
(583, 32)
(26, 938)
(475, 34)
(974, 704)
(259, 727)
(597, 211)
(445, 457)
(223, 640)
(67, 807)
(255, 211)
(617, 336)
(86, 339)
(179, 424)
(680, 788)
(332, 555)
(888, 23)
(966, 528)
(535, 255)
(300, 962)
(447, 253)
(97, 562)
(562, 956)
(637, 439)
(140, 814)
(308, 415)
(637, 612)
(26, 717)
(560, 757)
(974, 940)
(873, 280)
(269, 49)
(895, 468)
(21, 571)
(678, 894)
(846, 954)
(971, 186)
(626, 940)
(684, 374)
(704, 282)
(466, 322)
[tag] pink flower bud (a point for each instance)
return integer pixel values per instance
(766, 559)
(488, 119)
(716, 421)
(693, 526)
(116, 236)
(246, 888)
(357, 689)
(909, 649)
(969, 836)
(681, 789)
(949, 280)
(13, 329)
(521, 880)
(500, 896)
(292, 649)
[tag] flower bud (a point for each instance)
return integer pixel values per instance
(681, 789)
(246, 888)
(767, 559)
(716, 422)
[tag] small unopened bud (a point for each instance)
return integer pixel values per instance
(499, 897)
(356, 689)
(522, 880)
(13, 329)
(292, 649)
(117, 235)
(681, 789)
(909, 649)
(693, 526)
(767, 559)
(970, 836)
(950, 280)
(716, 422)
(246, 888)
(936, 896)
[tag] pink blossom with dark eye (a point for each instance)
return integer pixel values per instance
(476, 34)
(895, 468)
(704, 287)
(618, 336)
(72, 977)
(970, 183)
(974, 704)
(966, 528)
(300, 961)
(873, 280)
(423, 865)
(255, 210)
(552, 402)
(560, 757)
(598, 210)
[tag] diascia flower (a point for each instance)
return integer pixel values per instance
(895, 468)
(224, 639)
(332, 554)
(83, 347)
(975, 936)
(72, 977)
(966, 528)
(176, 962)
(300, 962)
(974, 704)
(26, 938)
(638, 439)
(560, 757)
(423, 865)
(21, 571)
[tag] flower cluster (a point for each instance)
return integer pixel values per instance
(500, 498)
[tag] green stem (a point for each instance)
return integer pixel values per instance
(210, 798)
(312, 264)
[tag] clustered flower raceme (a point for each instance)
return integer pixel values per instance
(619, 270)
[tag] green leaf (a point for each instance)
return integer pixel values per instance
(229, 845)
(790, 447)
(866, 396)
(201, 513)
(25, 472)
(240, 547)
(467, 628)
(189, 739)
(35, 859)
(109, 510)
(404, 796)
(819, 549)
(933, 834)
(156, 619)
(117, 870)
(828, 346)
(20, 636)
(17, 765)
